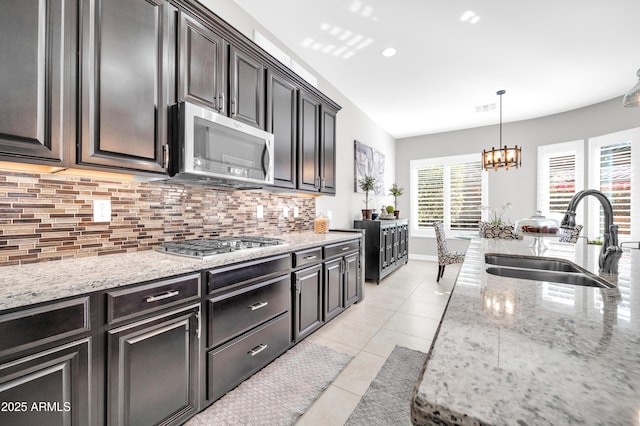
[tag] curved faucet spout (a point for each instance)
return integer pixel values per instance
(611, 251)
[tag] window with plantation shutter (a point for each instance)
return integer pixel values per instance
(465, 189)
(611, 172)
(560, 174)
(450, 190)
(430, 197)
(609, 162)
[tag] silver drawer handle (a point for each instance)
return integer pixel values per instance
(166, 295)
(258, 305)
(310, 257)
(255, 351)
(345, 248)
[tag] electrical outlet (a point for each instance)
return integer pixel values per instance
(260, 212)
(102, 210)
(296, 211)
(285, 212)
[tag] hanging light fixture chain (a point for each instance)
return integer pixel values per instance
(500, 93)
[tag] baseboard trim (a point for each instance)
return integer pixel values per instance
(424, 257)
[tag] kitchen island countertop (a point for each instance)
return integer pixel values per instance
(515, 351)
(23, 285)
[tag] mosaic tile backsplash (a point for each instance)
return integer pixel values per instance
(50, 217)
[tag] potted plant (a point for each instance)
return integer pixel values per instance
(390, 210)
(366, 184)
(396, 191)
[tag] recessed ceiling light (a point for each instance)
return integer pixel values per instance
(466, 16)
(389, 52)
(470, 16)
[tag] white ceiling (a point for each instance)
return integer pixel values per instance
(549, 55)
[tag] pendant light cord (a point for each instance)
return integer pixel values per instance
(501, 92)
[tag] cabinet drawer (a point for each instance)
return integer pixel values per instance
(32, 327)
(340, 248)
(131, 302)
(307, 257)
(233, 363)
(246, 272)
(234, 313)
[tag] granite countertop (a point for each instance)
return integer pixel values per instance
(42, 282)
(514, 351)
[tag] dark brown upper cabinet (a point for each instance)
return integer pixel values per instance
(246, 88)
(203, 76)
(317, 145)
(127, 55)
(328, 150)
(309, 142)
(37, 63)
(282, 117)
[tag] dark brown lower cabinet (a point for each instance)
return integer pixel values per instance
(308, 298)
(49, 388)
(352, 279)
(152, 369)
(235, 361)
(333, 288)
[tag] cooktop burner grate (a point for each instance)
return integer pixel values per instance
(211, 246)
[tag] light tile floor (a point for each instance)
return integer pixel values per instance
(405, 309)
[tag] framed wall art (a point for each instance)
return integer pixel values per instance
(368, 162)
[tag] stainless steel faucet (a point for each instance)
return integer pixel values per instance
(611, 251)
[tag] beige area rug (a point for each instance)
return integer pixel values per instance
(279, 393)
(387, 401)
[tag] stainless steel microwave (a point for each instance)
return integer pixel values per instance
(213, 148)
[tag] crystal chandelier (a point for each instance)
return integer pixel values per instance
(504, 156)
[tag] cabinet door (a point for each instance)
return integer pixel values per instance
(352, 277)
(202, 72)
(404, 237)
(282, 111)
(152, 370)
(308, 301)
(309, 142)
(48, 388)
(333, 288)
(384, 251)
(246, 88)
(37, 41)
(328, 151)
(127, 52)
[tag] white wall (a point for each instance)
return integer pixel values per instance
(515, 186)
(352, 124)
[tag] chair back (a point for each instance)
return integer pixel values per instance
(441, 239)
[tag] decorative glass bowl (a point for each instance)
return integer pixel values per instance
(539, 227)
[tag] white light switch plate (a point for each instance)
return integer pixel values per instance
(296, 211)
(260, 212)
(285, 211)
(102, 210)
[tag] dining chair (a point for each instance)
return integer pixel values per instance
(445, 256)
(502, 231)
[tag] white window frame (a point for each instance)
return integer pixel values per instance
(632, 135)
(545, 152)
(413, 186)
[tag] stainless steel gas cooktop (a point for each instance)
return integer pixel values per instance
(205, 247)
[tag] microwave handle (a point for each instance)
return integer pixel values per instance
(221, 102)
(267, 154)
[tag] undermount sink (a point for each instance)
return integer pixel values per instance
(545, 264)
(542, 269)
